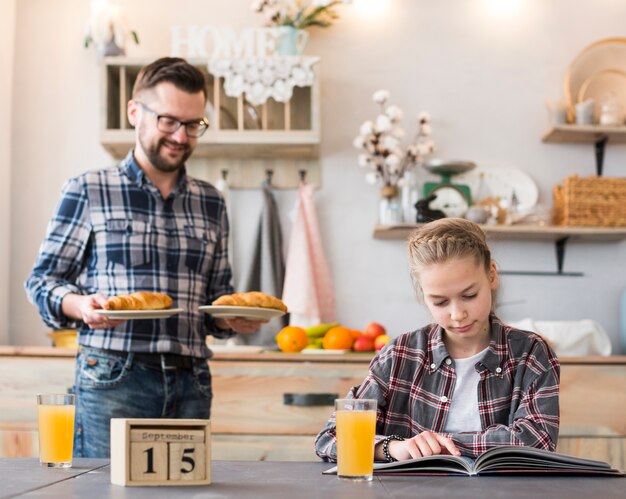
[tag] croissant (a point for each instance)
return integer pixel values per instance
(251, 299)
(142, 300)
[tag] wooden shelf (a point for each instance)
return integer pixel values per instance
(273, 130)
(520, 232)
(584, 134)
(268, 144)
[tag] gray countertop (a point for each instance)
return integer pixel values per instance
(90, 479)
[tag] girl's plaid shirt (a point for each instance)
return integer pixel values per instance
(413, 380)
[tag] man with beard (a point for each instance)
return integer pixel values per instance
(142, 226)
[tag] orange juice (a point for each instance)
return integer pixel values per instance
(56, 433)
(355, 442)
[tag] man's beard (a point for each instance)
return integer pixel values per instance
(159, 162)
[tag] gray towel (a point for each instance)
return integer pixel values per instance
(267, 269)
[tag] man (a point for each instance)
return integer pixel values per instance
(145, 226)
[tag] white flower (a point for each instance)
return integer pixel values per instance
(398, 133)
(364, 160)
(371, 178)
(394, 113)
(380, 96)
(321, 3)
(107, 24)
(257, 5)
(270, 13)
(392, 161)
(367, 128)
(383, 123)
(389, 142)
(381, 153)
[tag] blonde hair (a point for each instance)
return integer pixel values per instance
(444, 240)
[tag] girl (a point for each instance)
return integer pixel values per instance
(467, 382)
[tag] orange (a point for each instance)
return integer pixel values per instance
(292, 339)
(338, 338)
(356, 334)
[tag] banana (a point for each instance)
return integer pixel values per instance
(315, 343)
(319, 330)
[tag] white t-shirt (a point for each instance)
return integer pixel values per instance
(463, 414)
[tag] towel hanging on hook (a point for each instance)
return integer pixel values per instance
(267, 268)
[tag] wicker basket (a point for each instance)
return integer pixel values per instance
(590, 201)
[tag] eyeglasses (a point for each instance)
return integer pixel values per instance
(167, 124)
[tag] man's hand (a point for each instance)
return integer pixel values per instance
(242, 326)
(83, 307)
(427, 443)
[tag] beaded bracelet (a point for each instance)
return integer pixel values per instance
(386, 440)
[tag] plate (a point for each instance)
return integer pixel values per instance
(609, 53)
(226, 312)
(321, 351)
(502, 181)
(236, 348)
(602, 86)
(140, 314)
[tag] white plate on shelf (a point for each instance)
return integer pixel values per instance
(140, 314)
(604, 86)
(254, 313)
(609, 53)
(502, 181)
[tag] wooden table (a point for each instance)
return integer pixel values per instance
(89, 478)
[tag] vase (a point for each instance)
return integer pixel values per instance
(390, 207)
(410, 195)
(291, 41)
(110, 49)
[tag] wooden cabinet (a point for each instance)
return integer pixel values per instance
(253, 418)
(238, 129)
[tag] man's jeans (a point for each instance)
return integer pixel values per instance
(113, 385)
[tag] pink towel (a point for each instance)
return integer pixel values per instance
(308, 288)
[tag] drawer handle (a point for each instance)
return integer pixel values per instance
(310, 399)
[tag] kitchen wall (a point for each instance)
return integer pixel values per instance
(483, 73)
(7, 51)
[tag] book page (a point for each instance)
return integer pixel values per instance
(429, 464)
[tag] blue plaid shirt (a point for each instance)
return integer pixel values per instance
(113, 233)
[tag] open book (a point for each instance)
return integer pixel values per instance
(512, 460)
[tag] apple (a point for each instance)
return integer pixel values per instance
(381, 341)
(363, 344)
(373, 330)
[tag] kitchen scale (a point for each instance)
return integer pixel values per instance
(453, 199)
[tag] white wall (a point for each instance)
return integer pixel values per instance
(484, 78)
(7, 51)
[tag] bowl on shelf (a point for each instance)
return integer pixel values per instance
(448, 167)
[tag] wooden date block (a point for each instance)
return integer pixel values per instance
(160, 451)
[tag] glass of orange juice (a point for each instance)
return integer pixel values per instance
(56, 429)
(356, 426)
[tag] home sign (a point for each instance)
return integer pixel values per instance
(223, 43)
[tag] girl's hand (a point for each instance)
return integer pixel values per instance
(427, 443)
